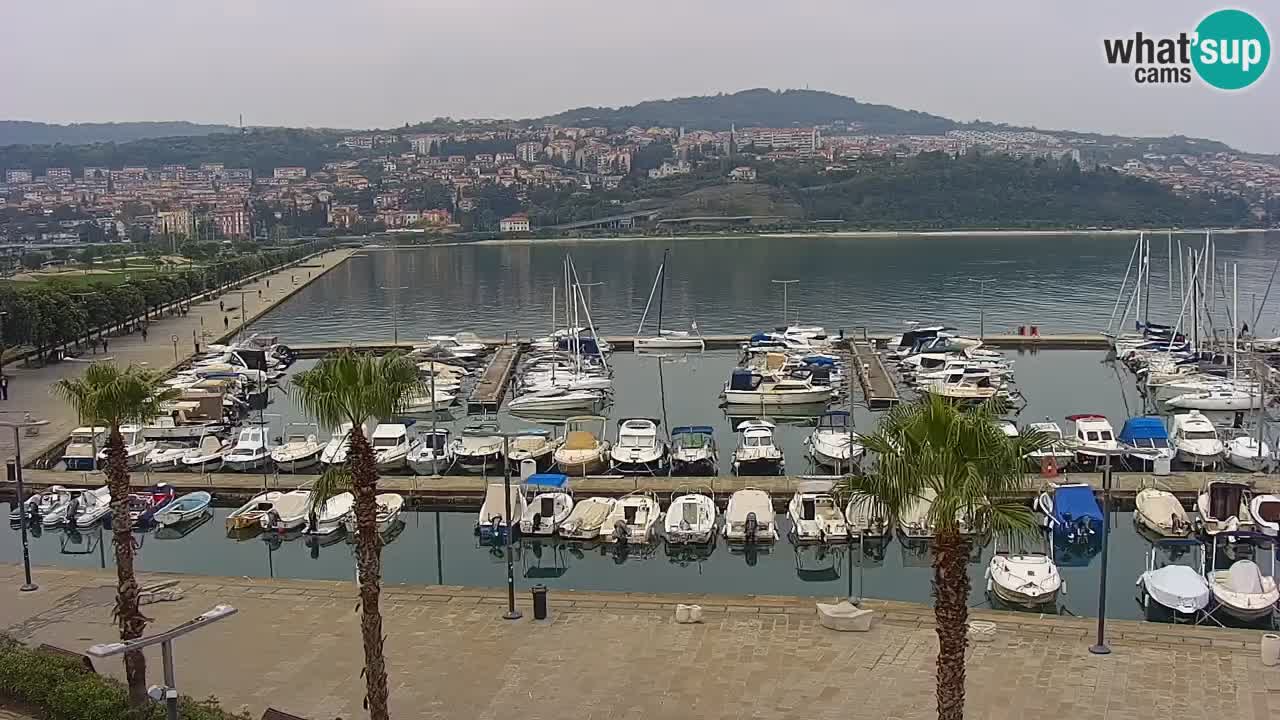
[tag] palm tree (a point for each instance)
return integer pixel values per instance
(352, 388)
(109, 396)
(974, 474)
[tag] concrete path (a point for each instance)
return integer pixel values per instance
(295, 645)
(29, 387)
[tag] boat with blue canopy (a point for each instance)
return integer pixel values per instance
(693, 450)
(549, 504)
(1144, 440)
(1071, 512)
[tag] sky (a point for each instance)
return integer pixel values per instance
(382, 63)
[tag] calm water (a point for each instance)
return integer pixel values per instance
(1058, 283)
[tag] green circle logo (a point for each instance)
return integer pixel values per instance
(1232, 49)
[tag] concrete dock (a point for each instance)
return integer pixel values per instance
(492, 386)
(878, 388)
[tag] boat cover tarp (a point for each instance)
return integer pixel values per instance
(552, 480)
(580, 440)
(1072, 503)
(1177, 586)
(743, 380)
(1224, 499)
(1142, 428)
(693, 429)
(1244, 577)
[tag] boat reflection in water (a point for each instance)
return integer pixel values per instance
(686, 554)
(544, 559)
(181, 530)
(818, 562)
(805, 415)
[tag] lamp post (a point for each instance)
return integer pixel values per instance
(982, 297)
(512, 613)
(395, 311)
(1100, 647)
(784, 284)
(27, 585)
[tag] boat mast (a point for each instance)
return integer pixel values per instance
(1170, 267)
(649, 303)
(1146, 313)
(662, 287)
(1120, 294)
(553, 311)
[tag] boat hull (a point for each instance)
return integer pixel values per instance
(761, 466)
(774, 399)
(700, 467)
(1013, 597)
(298, 464)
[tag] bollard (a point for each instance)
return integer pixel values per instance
(539, 602)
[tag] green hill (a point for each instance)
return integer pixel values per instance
(22, 132)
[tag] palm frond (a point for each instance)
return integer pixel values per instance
(108, 395)
(355, 387)
(335, 480)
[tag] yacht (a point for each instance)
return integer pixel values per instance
(585, 451)
(300, 451)
(335, 451)
(432, 454)
(549, 505)
(756, 453)
(693, 451)
(749, 387)
(749, 518)
(1144, 441)
(634, 519)
(136, 447)
(206, 457)
(691, 518)
(82, 450)
(1226, 398)
(968, 385)
(167, 456)
(391, 446)
(1057, 450)
(1196, 440)
(638, 449)
(441, 400)
(477, 453)
(833, 444)
(664, 339)
(815, 517)
(1093, 439)
(556, 399)
(251, 451)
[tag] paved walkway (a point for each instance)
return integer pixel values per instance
(29, 387)
(295, 646)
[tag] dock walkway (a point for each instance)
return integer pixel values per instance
(878, 388)
(487, 395)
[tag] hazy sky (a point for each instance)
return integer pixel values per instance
(362, 63)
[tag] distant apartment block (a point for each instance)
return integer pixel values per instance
(94, 174)
(778, 138)
(514, 224)
(529, 151)
(290, 173)
(174, 222)
(15, 177)
(743, 174)
(233, 223)
(58, 176)
(667, 169)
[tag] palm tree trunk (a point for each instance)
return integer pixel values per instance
(127, 613)
(951, 617)
(364, 484)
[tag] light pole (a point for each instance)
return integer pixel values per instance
(27, 585)
(512, 613)
(982, 297)
(784, 284)
(1100, 647)
(395, 311)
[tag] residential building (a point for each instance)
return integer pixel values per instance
(437, 216)
(514, 224)
(667, 169)
(58, 176)
(743, 174)
(290, 173)
(232, 222)
(805, 139)
(16, 177)
(529, 151)
(174, 222)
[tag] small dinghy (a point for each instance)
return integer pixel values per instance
(815, 517)
(1265, 510)
(185, 509)
(749, 518)
(1224, 506)
(1242, 591)
(1179, 589)
(690, 519)
(143, 506)
(329, 517)
(549, 505)
(250, 514)
(389, 507)
(586, 518)
(1247, 453)
(634, 519)
(493, 521)
(1160, 512)
(432, 454)
(693, 451)
(41, 504)
(1027, 579)
(288, 512)
(81, 508)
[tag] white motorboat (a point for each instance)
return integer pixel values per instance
(833, 444)
(749, 518)
(968, 385)
(81, 508)
(693, 451)
(329, 517)
(167, 456)
(441, 400)
(815, 517)
(250, 514)
(458, 343)
(1179, 589)
(585, 451)
(691, 519)
(1196, 440)
(477, 453)
(1242, 591)
(1265, 511)
(172, 427)
(493, 520)
(1057, 451)
(538, 448)
(756, 453)
(549, 506)
(1093, 439)
(300, 451)
(1225, 399)
(1247, 453)
(391, 446)
(638, 449)
(664, 339)
(136, 447)
(339, 445)
(1224, 506)
(389, 507)
(866, 519)
(207, 456)
(555, 399)
(914, 524)
(252, 450)
(1160, 512)
(587, 518)
(288, 512)
(432, 454)
(1027, 579)
(749, 387)
(81, 453)
(184, 509)
(41, 503)
(1145, 441)
(633, 520)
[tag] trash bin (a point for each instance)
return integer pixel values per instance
(1160, 466)
(539, 602)
(528, 467)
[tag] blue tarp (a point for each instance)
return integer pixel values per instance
(693, 429)
(1142, 428)
(1074, 502)
(552, 480)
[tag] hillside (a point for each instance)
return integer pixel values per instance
(22, 132)
(759, 107)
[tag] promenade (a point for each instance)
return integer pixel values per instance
(29, 386)
(295, 646)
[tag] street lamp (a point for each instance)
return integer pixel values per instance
(784, 284)
(395, 311)
(165, 640)
(512, 613)
(982, 297)
(1100, 647)
(27, 585)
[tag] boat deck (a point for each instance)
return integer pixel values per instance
(492, 386)
(878, 388)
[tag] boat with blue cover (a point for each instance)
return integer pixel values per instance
(1144, 440)
(1071, 512)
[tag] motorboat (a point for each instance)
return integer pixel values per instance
(633, 520)
(250, 514)
(750, 387)
(167, 456)
(391, 446)
(691, 518)
(143, 506)
(815, 517)
(536, 447)
(473, 452)
(458, 344)
(136, 447)
(1196, 440)
(968, 385)
(1027, 578)
(917, 334)
(585, 451)
(1144, 440)
(1160, 512)
(586, 518)
(1224, 506)
(1071, 512)
(756, 453)
(749, 518)
(1249, 453)
(41, 503)
(252, 450)
(693, 451)
(1056, 451)
(287, 512)
(339, 445)
(300, 451)
(1242, 590)
(493, 520)
(184, 509)
(442, 399)
(1179, 589)
(1229, 399)
(915, 523)
(1265, 511)
(549, 504)
(555, 398)
(81, 508)
(329, 517)
(388, 509)
(638, 449)
(866, 518)
(664, 339)
(833, 444)
(207, 456)
(82, 449)
(432, 454)
(175, 427)
(1093, 439)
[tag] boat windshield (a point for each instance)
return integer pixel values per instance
(636, 441)
(757, 441)
(1199, 435)
(691, 441)
(386, 442)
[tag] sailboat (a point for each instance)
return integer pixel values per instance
(665, 339)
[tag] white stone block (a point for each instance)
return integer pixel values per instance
(844, 617)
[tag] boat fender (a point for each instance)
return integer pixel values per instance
(751, 527)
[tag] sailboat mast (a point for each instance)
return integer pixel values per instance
(1119, 294)
(1146, 313)
(662, 288)
(1170, 267)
